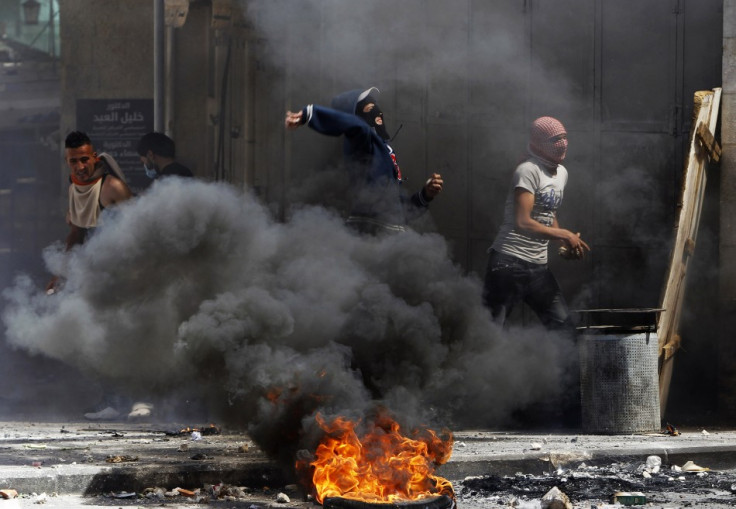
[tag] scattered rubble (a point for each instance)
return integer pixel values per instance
(629, 498)
(124, 494)
(671, 430)
(35, 446)
(653, 464)
(555, 499)
(39, 499)
(120, 458)
(160, 496)
(614, 485)
(8, 494)
(208, 493)
(201, 431)
(692, 467)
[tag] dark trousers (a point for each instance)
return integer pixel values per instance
(510, 280)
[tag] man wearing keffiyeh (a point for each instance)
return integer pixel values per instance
(517, 267)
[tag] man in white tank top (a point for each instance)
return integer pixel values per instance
(95, 184)
(517, 267)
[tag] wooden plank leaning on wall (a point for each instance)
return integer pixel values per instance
(702, 148)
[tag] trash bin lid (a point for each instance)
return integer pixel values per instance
(617, 320)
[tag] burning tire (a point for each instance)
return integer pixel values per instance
(441, 502)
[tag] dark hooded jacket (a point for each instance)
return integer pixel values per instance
(375, 183)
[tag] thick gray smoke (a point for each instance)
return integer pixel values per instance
(194, 283)
(632, 202)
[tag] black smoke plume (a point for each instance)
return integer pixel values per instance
(195, 284)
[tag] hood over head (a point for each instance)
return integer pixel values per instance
(347, 101)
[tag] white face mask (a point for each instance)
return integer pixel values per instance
(151, 173)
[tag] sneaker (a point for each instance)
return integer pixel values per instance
(106, 414)
(140, 410)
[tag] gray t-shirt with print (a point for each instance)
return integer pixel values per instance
(547, 189)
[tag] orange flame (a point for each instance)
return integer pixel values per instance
(382, 465)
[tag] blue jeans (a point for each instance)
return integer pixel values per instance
(510, 280)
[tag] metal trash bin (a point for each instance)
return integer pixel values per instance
(619, 382)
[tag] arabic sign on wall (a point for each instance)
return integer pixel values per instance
(115, 126)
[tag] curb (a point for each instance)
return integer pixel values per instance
(87, 480)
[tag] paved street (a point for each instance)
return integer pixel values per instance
(122, 464)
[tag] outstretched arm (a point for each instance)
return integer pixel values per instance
(328, 121)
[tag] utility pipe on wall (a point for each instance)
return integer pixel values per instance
(159, 72)
(169, 87)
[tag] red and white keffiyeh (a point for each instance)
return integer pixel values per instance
(541, 143)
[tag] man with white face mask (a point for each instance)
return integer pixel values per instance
(158, 155)
(517, 267)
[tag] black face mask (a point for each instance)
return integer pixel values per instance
(371, 116)
(382, 132)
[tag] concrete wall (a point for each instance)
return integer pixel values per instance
(107, 53)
